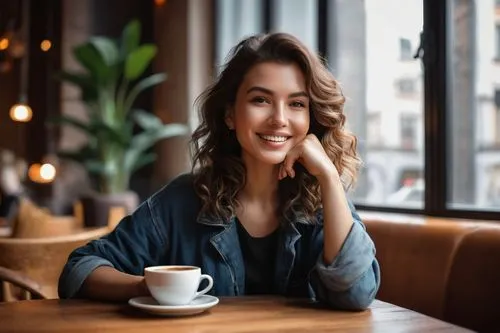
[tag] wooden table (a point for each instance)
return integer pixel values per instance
(242, 314)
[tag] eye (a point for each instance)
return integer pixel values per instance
(259, 100)
(298, 104)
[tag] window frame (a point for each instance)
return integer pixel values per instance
(434, 42)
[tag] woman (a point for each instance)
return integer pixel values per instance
(264, 210)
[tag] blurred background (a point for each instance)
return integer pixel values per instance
(96, 108)
(421, 77)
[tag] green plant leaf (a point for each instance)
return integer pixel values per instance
(142, 142)
(138, 60)
(117, 134)
(88, 56)
(147, 120)
(80, 155)
(68, 120)
(95, 167)
(143, 160)
(147, 139)
(79, 79)
(107, 49)
(83, 81)
(96, 128)
(145, 83)
(130, 38)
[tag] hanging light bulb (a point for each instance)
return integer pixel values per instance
(45, 45)
(4, 43)
(34, 172)
(47, 172)
(21, 112)
(42, 173)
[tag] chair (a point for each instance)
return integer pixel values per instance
(34, 221)
(28, 288)
(42, 259)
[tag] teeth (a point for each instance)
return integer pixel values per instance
(274, 138)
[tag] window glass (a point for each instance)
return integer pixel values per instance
(473, 105)
(236, 19)
(297, 17)
(371, 47)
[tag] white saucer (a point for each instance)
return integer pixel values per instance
(150, 305)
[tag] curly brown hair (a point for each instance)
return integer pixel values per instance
(219, 172)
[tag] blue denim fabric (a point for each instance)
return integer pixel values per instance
(166, 230)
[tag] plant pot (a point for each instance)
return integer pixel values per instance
(96, 206)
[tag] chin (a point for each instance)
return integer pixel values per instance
(273, 159)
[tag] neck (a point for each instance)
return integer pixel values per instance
(261, 183)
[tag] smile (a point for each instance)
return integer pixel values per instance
(274, 138)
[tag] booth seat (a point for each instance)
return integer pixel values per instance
(445, 268)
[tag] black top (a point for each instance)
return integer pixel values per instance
(259, 255)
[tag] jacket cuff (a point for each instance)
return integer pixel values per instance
(353, 260)
(72, 282)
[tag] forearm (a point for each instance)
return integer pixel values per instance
(107, 283)
(344, 293)
(337, 218)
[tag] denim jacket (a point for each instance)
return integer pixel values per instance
(166, 229)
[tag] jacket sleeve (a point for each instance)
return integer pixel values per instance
(137, 242)
(352, 280)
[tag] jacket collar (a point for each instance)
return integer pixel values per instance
(296, 217)
(227, 244)
(214, 221)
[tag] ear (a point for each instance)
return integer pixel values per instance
(228, 119)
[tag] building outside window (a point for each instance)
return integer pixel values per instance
(408, 131)
(497, 117)
(369, 47)
(497, 44)
(405, 50)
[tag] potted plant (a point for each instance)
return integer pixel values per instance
(119, 137)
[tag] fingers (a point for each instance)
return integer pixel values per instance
(281, 172)
(286, 168)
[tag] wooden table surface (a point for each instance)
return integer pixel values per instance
(242, 314)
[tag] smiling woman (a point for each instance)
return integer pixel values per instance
(275, 81)
(264, 210)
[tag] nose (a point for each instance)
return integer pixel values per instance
(278, 115)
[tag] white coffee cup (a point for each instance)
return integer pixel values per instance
(175, 285)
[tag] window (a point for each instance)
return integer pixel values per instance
(496, 122)
(493, 194)
(297, 17)
(374, 130)
(369, 47)
(472, 81)
(236, 19)
(405, 50)
(497, 41)
(408, 132)
(406, 86)
(365, 46)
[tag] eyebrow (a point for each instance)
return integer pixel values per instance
(270, 92)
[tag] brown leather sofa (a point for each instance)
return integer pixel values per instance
(448, 269)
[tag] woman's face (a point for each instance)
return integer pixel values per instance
(271, 112)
